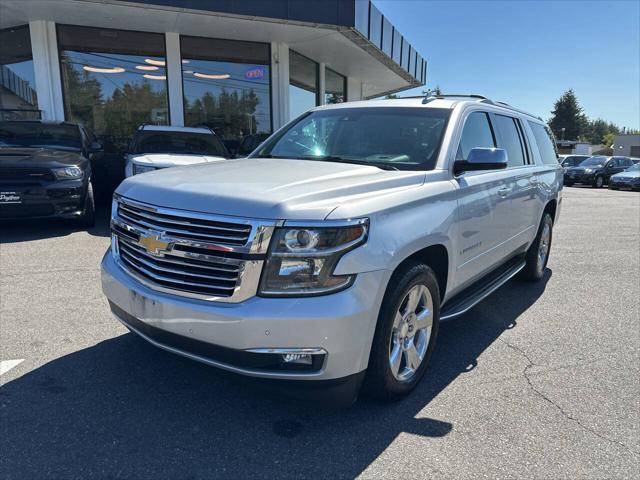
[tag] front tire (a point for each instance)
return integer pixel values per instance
(598, 182)
(405, 334)
(88, 217)
(537, 255)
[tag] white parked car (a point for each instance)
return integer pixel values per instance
(332, 252)
(160, 146)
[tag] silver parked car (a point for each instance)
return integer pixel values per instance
(332, 253)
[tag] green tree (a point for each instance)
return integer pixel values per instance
(567, 114)
(608, 139)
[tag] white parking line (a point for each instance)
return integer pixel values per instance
(6, 365)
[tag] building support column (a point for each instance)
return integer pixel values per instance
(46, 68)
(354, 89)
(321, 83)
(174, 79)
(279, 84)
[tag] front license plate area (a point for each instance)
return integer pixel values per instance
(10, 197)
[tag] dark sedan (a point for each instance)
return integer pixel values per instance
(45, 171)
(596, 171)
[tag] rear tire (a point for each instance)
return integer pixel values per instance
(88, 217)
(537, 255)
(405, 334)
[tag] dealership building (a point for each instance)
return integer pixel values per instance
(241, 67)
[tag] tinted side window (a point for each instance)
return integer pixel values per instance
(476, 133)
(545, 142)
(510, 140)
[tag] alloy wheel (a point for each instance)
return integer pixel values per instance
(543, 247)
(411, 333)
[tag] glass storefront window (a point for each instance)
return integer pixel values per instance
(303, 84)
(18, 99)
(226, 86)
(113, 81)
(335, 87)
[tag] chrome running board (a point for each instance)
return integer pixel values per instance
(471, 296)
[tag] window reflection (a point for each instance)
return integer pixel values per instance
(18, 99)
(226, 87)
(335, 87)
(113, 81)
(303, 84)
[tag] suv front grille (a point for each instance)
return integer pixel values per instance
(25, 175)
(170, 271)
(188, 253)
(185, 227)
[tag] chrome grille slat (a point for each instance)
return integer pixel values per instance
(176, 271)
(217, 239)
(147, 273)
(172, 258)
(157, 217)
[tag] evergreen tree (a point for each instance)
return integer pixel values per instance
(567, 114)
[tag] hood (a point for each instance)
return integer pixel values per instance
(265, 188)
(582, 169)
(163, 160)
(632, 174)
(39, 157)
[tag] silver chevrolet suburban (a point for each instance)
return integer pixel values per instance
(329, 256)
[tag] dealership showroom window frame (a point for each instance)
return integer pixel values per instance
(18, 92)
(224, 54)
(149, 51)
(55, 104)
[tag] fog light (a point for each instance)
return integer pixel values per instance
(297, 358)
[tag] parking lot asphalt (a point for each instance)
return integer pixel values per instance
(538, 381)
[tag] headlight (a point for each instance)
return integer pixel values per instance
(67, 173)
(142, 169)
(301, 260)
(588, 170)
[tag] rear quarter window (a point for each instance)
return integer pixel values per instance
(545, 142)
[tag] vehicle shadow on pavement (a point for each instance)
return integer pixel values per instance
(15, 231)
(123, 408)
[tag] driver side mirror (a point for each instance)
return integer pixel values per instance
(482, 159)
(95, 147)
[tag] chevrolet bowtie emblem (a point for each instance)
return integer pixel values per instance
(152, 243)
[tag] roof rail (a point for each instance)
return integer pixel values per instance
(429, 98)
(506, 105)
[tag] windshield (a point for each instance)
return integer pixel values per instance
(393, 138)
(186, 143)
(594, 161)
(635, 168)
(40, 135)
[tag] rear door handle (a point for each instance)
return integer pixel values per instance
(503, 192)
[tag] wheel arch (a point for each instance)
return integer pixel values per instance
(436, 256)
(551, 208)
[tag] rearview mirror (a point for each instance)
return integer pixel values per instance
(482, 159)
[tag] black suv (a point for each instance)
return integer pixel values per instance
(596, 171)
(45, 171)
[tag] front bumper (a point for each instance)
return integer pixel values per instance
(62, 199)
(587, 178)
(225, 335)
(623, 185)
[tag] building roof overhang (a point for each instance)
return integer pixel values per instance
(347, 35)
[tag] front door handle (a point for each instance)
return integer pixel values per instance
(503, 192)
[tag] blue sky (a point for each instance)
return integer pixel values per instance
(527, 53)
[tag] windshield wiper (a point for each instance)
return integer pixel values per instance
(268, 155)
(334, 158)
